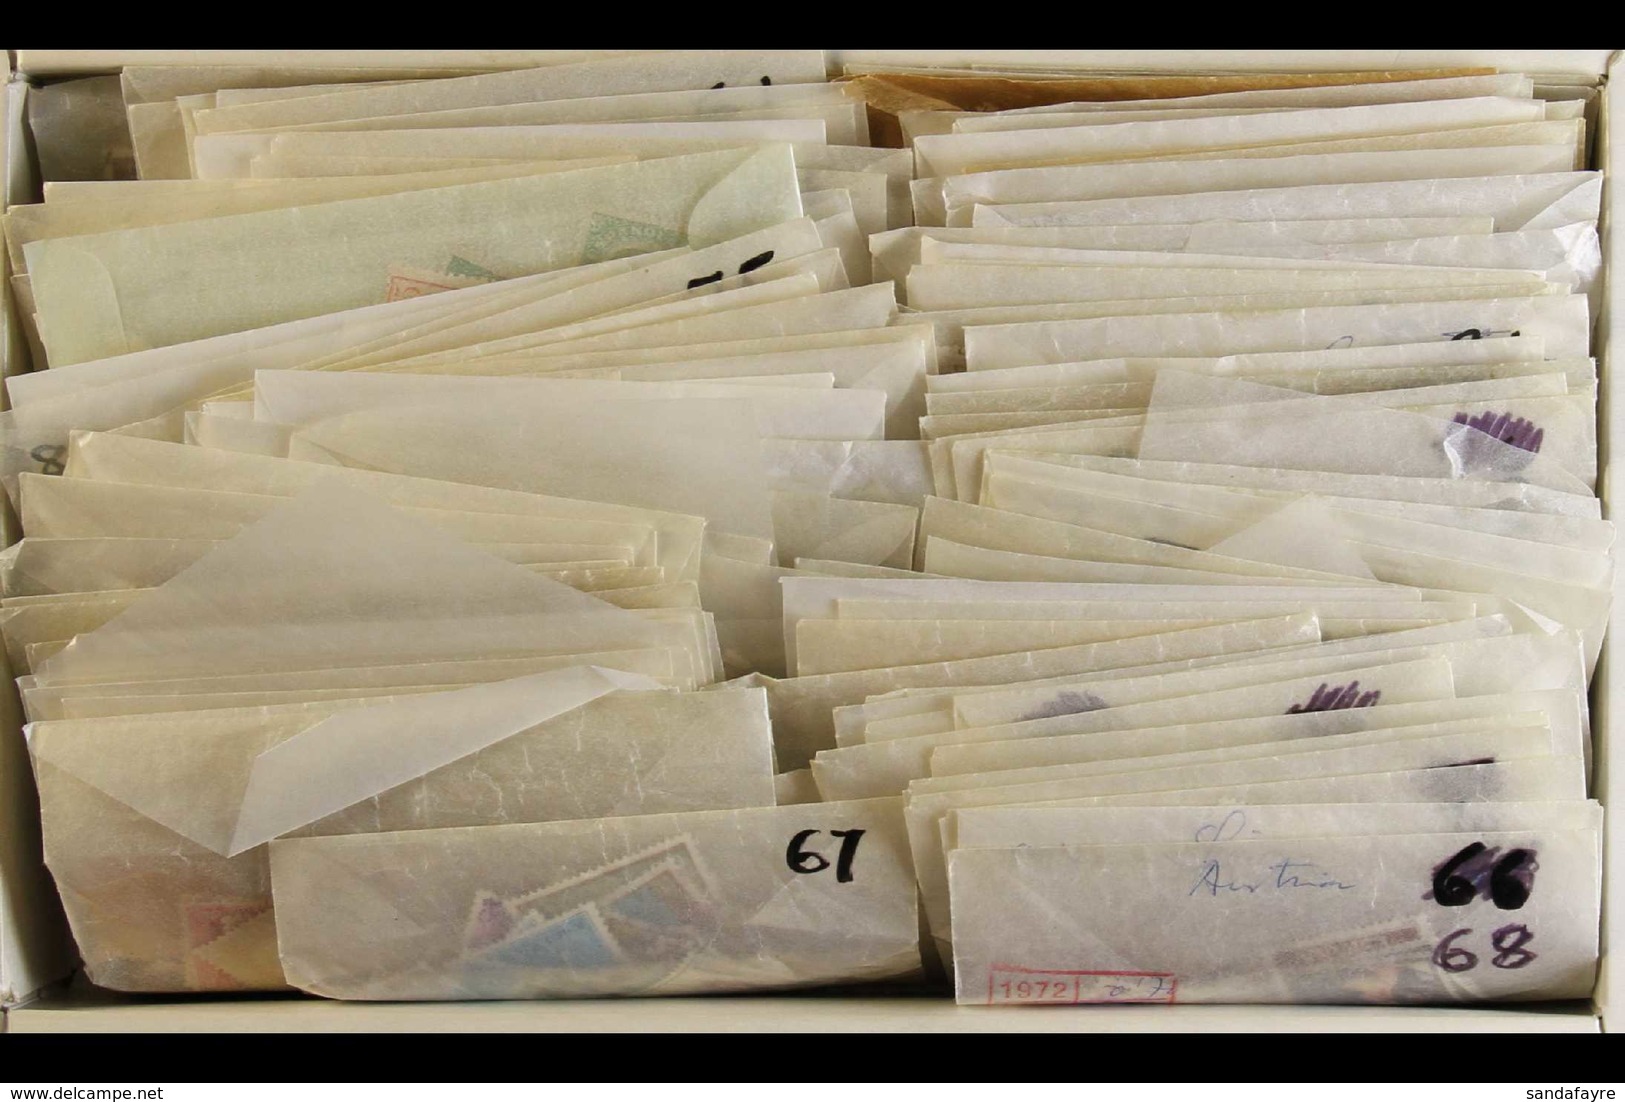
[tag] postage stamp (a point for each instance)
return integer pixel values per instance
(1009, 984)
(609, 237)
(639, 918)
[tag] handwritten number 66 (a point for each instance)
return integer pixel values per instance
(807, 861)
(1508, 942)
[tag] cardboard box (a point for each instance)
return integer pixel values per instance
(34, 949)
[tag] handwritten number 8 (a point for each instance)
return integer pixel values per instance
(807, 861)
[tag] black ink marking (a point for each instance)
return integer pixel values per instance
(807, 862)
(1478, 871)
(1451, 889)
(52, 458)
(719, 84)
(767, 80)
(755, 262)
(1342, 342)
(1512, 879)
(1335, 698)
(1066, 703)
(701, 281)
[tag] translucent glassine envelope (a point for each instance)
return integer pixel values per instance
(1569, 254)
(820, 598)
(803, 706)
(836, 311)
(335, 573)
(235, 154)
(674, 276)
(777, 286)
(947, 154)
(1339, 920)
(1562, 709)
(951, 286)
(113, 393)
(1372, 493)
(120, 210)
(657, 904)
(588, 79)
(727, 357)
(921, 711)
(204, 364)
(677, 453)
(1497, 663)
(1138, 699)
(114, 458)
(653, 106)
(183, 916)
(1075, 183)
(1499, 447)
(815, 525)
(973, 525)
(55, 507)
(1003, 827)
(1561, 320)
(835, 646)
(664, 203)
(58, 700)
(958, 560)
(306, 398)
(925, 810)
(1510, 737)
(893, 253)
(1515, 202)
(1051, 486)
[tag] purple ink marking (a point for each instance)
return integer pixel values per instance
(1335, 698)
(1517, 431)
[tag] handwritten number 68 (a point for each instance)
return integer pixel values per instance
(807, 861)
(1508, 942)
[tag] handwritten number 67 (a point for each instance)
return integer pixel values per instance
(807, 862)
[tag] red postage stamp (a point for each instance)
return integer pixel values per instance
(1012, 984)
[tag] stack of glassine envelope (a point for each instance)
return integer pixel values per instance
(606, 528)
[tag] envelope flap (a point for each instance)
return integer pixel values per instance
(337, 576)
(356, 754)
(188, 775)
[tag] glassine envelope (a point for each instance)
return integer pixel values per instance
(149, 290)
(176, 897)
(676, 71)
(762, 898)
(1078, 183)
(334, 575)
(1421, 918)
(110, 457)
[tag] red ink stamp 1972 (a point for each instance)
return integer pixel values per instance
(1012, 984)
